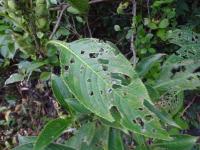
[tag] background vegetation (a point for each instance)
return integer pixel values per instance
(152, 57)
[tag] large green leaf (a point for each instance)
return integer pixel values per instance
(101, 78)
(180, 142)
(51, 132)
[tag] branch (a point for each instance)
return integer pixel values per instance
(188, 106)
(133, 35)
(58, 21)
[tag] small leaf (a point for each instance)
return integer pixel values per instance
(60, 91)
(16, 77)
(152, 25)
(51, 131)
(147, 63)
(44, 76)
(164, 23)
(35, 65)
(115, 140)
(81, 5)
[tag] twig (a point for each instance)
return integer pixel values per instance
(188, 106)
(58, 21)
(133, 35)
(74, 27)
(148, 10)
(88, 26)
(96, 1)
(63, 7)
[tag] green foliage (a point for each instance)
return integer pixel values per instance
(114, 84)
(47, 136)
(111, 102)
(27, 143)
(182, 142)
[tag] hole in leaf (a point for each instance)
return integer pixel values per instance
(125, 80)
(91, 93)
(178, 69)
(93, 55)
(140, 122)
(125, 93)
(109, 91)
(105, 68)
(82, 52)
(103, 61)
(101, 92)
(190, 78)
(72, 61)
(148, 117)
(116, 86)
(197, 70)
(140, 109)
(66, 67)
(134, 121)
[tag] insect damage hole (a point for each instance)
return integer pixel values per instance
(91, 93)
(101, 92)
(88, 80)
(103, 61)
(93, 55)
(66, 68)
(109, 90)
(82, 52)
(72, 60)
(140, 122)
(105, 68)
(148, 117)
